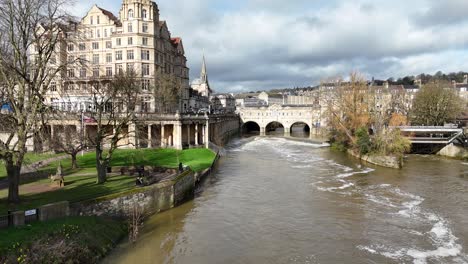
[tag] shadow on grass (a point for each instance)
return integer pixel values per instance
(78, 188)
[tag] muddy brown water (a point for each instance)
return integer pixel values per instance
(274, 200)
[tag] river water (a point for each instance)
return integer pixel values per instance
(274, 200)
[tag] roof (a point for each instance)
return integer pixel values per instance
(176, 41)
(111, 16)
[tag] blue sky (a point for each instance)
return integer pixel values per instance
(265, 44)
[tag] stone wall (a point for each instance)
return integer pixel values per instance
(53, 211)
(383, 161)
(184, 188)
(151, 200)
(454, 151)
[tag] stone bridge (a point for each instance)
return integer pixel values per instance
(268, 118)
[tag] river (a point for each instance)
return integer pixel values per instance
(274, 200)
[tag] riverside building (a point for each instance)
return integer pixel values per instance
(101, 45)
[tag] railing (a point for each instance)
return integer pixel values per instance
(4, 221)
(426, 127)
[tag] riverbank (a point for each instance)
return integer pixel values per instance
(70, 240)
(81, 184)
(89, 205)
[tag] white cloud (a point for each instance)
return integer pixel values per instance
(260, 44)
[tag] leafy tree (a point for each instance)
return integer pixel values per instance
(436, 104)
(363, 141)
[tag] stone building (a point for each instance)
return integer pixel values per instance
(101, 45)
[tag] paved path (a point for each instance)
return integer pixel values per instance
(28, 170)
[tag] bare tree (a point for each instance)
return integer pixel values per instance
(167, 93)
(115, 105)
(30, 34)
(69, 140)
(348, 108)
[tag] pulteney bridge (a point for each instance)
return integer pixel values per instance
(270, 118)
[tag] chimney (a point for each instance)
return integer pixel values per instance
(385, 84)
(418, 82)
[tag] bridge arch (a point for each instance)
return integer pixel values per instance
(275, 128)
(251, 127)
(300, 129)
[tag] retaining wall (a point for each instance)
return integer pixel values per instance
(383, 161)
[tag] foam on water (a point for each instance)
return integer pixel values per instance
(440, 235)
(349, 174)
(387, 199)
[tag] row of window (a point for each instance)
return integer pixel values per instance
(145, 86)
(144, 14)
(95, 45)
(145, 70)
(145, 55)
(90, 33)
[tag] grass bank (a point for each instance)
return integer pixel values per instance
(81, 184)
(70, 240)
(77, 188)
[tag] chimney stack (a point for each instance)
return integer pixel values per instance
(386, 85)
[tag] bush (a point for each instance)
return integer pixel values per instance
(391, 142)
(337, 146)
(363, 141)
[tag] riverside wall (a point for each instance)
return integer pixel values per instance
(383, 161)
(454, 151)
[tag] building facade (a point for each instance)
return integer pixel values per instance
(101, 45)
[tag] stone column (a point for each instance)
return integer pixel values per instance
(262, 131)
(150, 137)
(188, 134)
(206, 137)
(132, 137)
(178, 136)
(287, 131)
(163, 136)
(196, 134)
(203, 134)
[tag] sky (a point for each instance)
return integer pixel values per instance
(253, 45)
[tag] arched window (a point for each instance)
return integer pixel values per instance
(130, 13)
(143, 14)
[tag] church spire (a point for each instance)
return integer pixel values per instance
(204, 73)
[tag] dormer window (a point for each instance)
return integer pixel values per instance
(130, 13)
(143, 14)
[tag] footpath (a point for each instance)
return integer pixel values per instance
(28, 171)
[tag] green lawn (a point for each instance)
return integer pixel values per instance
(91, 237)
(81, 184)
(77, 188)
(197, 159)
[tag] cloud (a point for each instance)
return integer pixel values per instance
(265, 44)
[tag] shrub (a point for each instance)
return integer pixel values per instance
(363, 141)
(391, 142)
